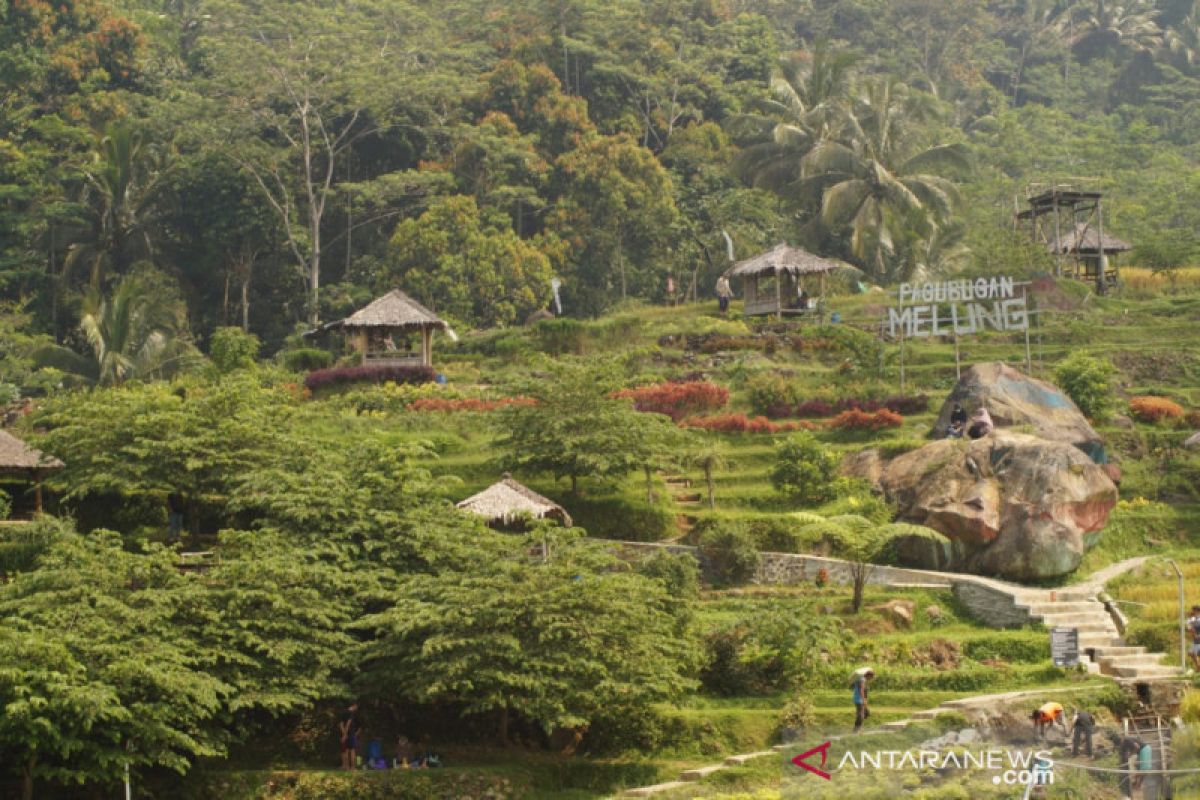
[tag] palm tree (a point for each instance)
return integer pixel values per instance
(808, 90)
(131, 334)
(877, 183)
(1129, 25)
(121, 186)
(709, 458)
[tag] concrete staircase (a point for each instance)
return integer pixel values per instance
(687, 499)
(1100, 640)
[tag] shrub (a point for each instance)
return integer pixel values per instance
(679, 573)
(306, 359)
(561, 336)
(1033, 648)
(1154, 410)
(771, 391)
(720, 344)
(815, 408)
(864, 421)
(466, 404)
(5, 504)
(804, 470)
(776, 535)
(232, 348)
(1088, 382)
(907, 404)
(768, 652)
(728, 553)
(1192, 419)
(678, 400)
(619, 518)
(372, 373)
(797, 715)
(740, 423)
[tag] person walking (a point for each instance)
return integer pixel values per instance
(1082, 728)
(859, 688)
(348, 729)
(724, 294)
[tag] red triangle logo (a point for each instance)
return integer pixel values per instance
(823, 749)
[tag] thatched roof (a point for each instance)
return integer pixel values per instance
(1085, 238)
(508, 500)
(782, 258)
(16, 455)
(394, 310)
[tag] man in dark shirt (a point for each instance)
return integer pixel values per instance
(348, 729)
(1082, 729)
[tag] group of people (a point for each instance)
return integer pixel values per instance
(978, 425)
(407, 755)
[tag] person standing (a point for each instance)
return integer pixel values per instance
(1193, 624)
(174, 516)
(724, 293)
(1126, 751)
(1081, 729)
(348, 728)
(859, 689)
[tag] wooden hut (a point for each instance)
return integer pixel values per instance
(19, 460)
(507, 503)
(781, 282)
(1084, 245)
(394, 330)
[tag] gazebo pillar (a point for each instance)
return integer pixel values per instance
(426, 346)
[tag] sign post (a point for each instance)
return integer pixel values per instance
(1064, 646)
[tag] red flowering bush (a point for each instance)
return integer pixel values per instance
(373, 373)
(740, 423)
(1155, 409)
(907, 404)
(854, 420)
(466, 403)
(815, 408)
(678, 400)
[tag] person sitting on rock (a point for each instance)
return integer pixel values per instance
(981, 424)
(1049, 714)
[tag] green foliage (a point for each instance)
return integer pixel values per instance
(769, 391)
(561, 336)
(305, 359)
(5, 505)
(804, 469)
(678, 573)
(728, 553)
(771, 652)
(232, 348)
(1026, 648)
(554, 640)
(1088, 382)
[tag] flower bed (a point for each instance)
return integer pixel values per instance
(1154, 410)
(740, 423)
(678, 400)
(367, 373)
(855, 420)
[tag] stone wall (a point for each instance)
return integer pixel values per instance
(987, 600)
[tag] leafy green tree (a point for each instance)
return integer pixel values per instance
(804, 469)
(94, 673)
(469, 264)
(869, 544)
(1088, 381)
(729, 554)
(709, 457)
(232, 348)
(576, 429)
(507, 633)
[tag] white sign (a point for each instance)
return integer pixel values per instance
(958, 307)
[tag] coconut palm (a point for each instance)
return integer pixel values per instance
(1107, 25)
(121, 186)
(132, 333)
(808, 91)
(878, 184)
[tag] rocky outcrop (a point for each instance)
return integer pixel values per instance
(1015, 400)
(1014, 505)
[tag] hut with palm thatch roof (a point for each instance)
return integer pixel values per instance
(508, 504)
(779, 282)
(394, 330)
(25, 463)
(1090, 250)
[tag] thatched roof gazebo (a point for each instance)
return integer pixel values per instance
(1090, 249)
(507, 502)
(774, 281)
(374, 329)
(18, 458)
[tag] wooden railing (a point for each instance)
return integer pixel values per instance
(397, 358)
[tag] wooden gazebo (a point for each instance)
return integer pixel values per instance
(20, 460)
(393, 329)
(1090, 251)
(775, 281)
(506, 503)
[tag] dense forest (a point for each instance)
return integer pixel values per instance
(271, 165)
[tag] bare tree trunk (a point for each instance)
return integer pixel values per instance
(649, 485)
(27, 778)
(246, 301)
(708, 480)
(503, 730)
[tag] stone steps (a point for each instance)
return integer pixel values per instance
(1131, 660)
(737, 761)
(658, 788)
(699, 773)
(1145, 672)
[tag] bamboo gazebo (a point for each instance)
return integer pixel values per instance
(507, 504)
(775, 282)
(394, 330)
(1090, 251)
(24, 462)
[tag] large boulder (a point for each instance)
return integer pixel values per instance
(1016, 400)
(1015, 506)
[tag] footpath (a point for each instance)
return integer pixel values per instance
(1082, 606)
